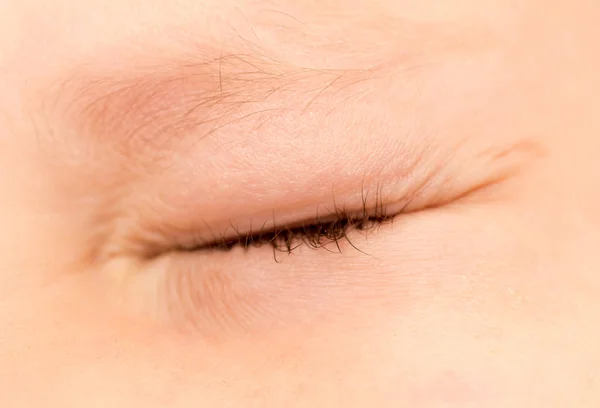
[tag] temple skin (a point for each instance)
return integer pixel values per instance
(132, 132)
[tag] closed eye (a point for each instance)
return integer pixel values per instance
(327, 234)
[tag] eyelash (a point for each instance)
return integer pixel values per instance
(314, 235)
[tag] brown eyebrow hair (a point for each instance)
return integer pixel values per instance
(154, 106)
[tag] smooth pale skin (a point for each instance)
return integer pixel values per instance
(127, 127)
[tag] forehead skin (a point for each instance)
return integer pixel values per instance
(127, 126)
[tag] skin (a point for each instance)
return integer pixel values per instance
(131, 129)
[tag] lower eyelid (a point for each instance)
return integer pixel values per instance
(218, 294)
(216, 298)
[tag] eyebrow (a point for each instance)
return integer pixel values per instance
(155, 106)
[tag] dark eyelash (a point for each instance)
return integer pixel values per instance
(315, 235)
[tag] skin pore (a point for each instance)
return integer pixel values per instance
(137, 136)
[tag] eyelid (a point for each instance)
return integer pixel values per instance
(314, 234)
(209, 236)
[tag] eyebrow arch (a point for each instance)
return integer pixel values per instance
(161, 104)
